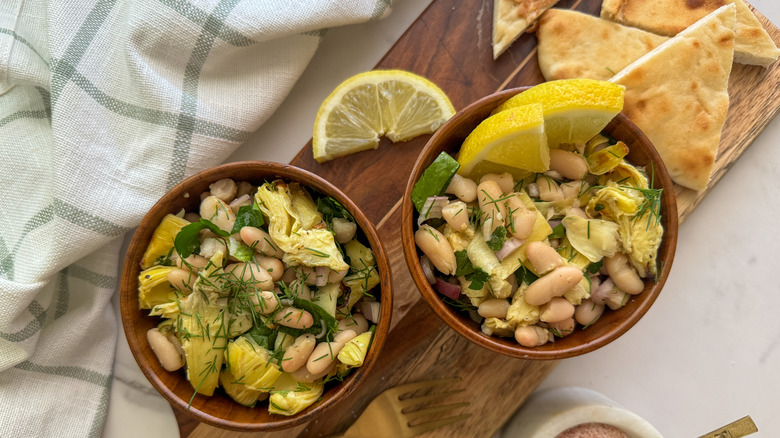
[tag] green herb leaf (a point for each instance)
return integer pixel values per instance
(330, 208)
(459, 305)
(595, 267)
(464, 265)
(319, 314)
(558, 232)
(478, 279)
(262, 335)
(524, 275)
(497, 239)
(187, 241)
(248, 216)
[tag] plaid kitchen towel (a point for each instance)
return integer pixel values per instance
(105, 105)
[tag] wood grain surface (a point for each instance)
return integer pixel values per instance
(450, 44)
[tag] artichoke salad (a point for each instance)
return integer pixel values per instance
(265, 292)
(535, 255)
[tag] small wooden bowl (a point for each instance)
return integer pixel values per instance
(612, 324)
(219, 410)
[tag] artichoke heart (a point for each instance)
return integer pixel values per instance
(593, 238)
(612, 202)
(354, 353)
(251, 364)
(289, 396)
(203, 326)
(627, 175)
(521, 313)
(154, 287)
(646, 235)
(297, 227)
(498, 327)
(604, 160)
(161, 242)
(243, 394)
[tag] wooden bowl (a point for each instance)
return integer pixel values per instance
(219, 410)
(612, 324)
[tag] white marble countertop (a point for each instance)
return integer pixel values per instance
(707, 352)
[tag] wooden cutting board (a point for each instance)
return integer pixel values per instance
(450, 44)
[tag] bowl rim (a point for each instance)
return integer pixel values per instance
(128, 295)
(493, 343)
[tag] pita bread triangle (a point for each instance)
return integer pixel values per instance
(572, 44)
(512, 17)
(668, 17)
(677, 94)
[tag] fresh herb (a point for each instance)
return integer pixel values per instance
(320, 315)
(524, 275)
(187, 241)
(463, 264)
(459, 305)
(262, 335)
(595, 267)
(599, 207)
(558, 232)
(318, 253)
(497, 239)
(330, 208)
(478, 278)
(248, 216)
(611, 71)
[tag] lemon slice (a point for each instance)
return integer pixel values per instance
(395, 103)
(511, 141)
(574, 109)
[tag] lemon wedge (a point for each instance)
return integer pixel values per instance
(511, 141)
(574, 109)
(395, 103)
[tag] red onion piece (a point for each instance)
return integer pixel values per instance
(447, 289)
(432, 208)
(601, 293)
(427, 268)
(510, 245)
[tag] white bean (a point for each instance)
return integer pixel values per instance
(303, 375)
(244, 188)
(296, 355)
(521, 219)
(264, 302)
(193, 263)
(573, 189)
(252, 274)
(555, 310)
(456, 214)
(212, 245)
(261, 242)
(464, 188)
(568, 164)
(272, 265)
(548, 189)
(294, 318)
(504, 180)
(218, 212)
(623, 274)
(356, 322)
(493, 308)
(336, 276)
(553, 284)
(325, 353)
(343, 229)
(163, 348)
(531, 336)
(224, 189)
(562, 328)
(588, 312)
(300, 289)
(543, 258)
(434, 245)
(491, 201)
(182, 279)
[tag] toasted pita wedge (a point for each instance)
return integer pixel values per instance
(577, 45)
(669, 17)
(512, 17)
(677, 94)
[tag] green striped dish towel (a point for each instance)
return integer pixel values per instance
(105, 105)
